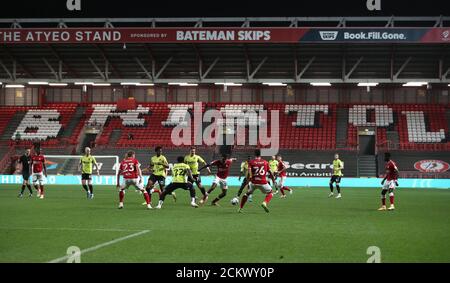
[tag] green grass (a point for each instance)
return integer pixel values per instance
(305, 227)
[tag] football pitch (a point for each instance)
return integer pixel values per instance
(307, 226)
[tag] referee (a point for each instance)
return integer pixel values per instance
(25, 160)
(85, 166)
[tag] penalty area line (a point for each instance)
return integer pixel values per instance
(99, 246)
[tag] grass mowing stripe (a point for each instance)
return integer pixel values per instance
(69, 229)
(60, 259)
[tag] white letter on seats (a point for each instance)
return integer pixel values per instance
(417, 131)
(357, 115)
(45, 121)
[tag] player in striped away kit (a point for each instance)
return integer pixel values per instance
(180, 174)
(389, 182)
(337, 176)
(257, 171)
(85, 166)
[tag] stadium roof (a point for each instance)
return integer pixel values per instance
(241, 62)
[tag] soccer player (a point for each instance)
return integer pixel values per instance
(243, 172)
(389, 182)
(25, 160)
(338, 165)
(273, 167)
(158, 168)
(223, 169)
(257, 171)
(281, 171)
(130, 169)
(39, 171)
(180, 172)
(193, 160)
(85, 166)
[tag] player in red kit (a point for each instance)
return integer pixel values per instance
(223, 170)
(281, 172)
(389, 182)
(257, 171)
(130, 169)
(39, 170)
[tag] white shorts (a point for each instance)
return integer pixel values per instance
(222, 182)
(389, 185)
(38, 178)
(280, 183)
(264, 188)
(126, 183)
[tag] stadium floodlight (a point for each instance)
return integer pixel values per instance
(57, 84)
(229, 84)
(83, 83)
(101, 84)
(415, 84)
(275, 84)
(368, 84)
(320, 84)
(14, 86)
(126, 83)
(183, 84)
(38, 83)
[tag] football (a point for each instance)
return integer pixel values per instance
(234, 201)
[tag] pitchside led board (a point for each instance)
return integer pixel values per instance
(224, 35)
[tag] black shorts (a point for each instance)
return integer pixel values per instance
(335, 178)
(173, 186)
(161, 180)
(195, 179)
(87, 177)
(26, 176)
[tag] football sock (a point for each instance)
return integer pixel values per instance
(192, 193)
(383, 201)
(146, 197)
(85, 187)
(29, 188)
(193, 200)
(42, 190)
(391, 198)
(22, 189)
(241, 189)
(282, 191)
(202, 190)
(91, 188)
(331, 187)
(268, 197)
(286, 189)
(338, 188)
(121, 196)
(243, 200)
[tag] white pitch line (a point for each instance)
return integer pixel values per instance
(60, 259)
(69, 229)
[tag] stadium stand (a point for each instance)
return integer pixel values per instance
(313, 127)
